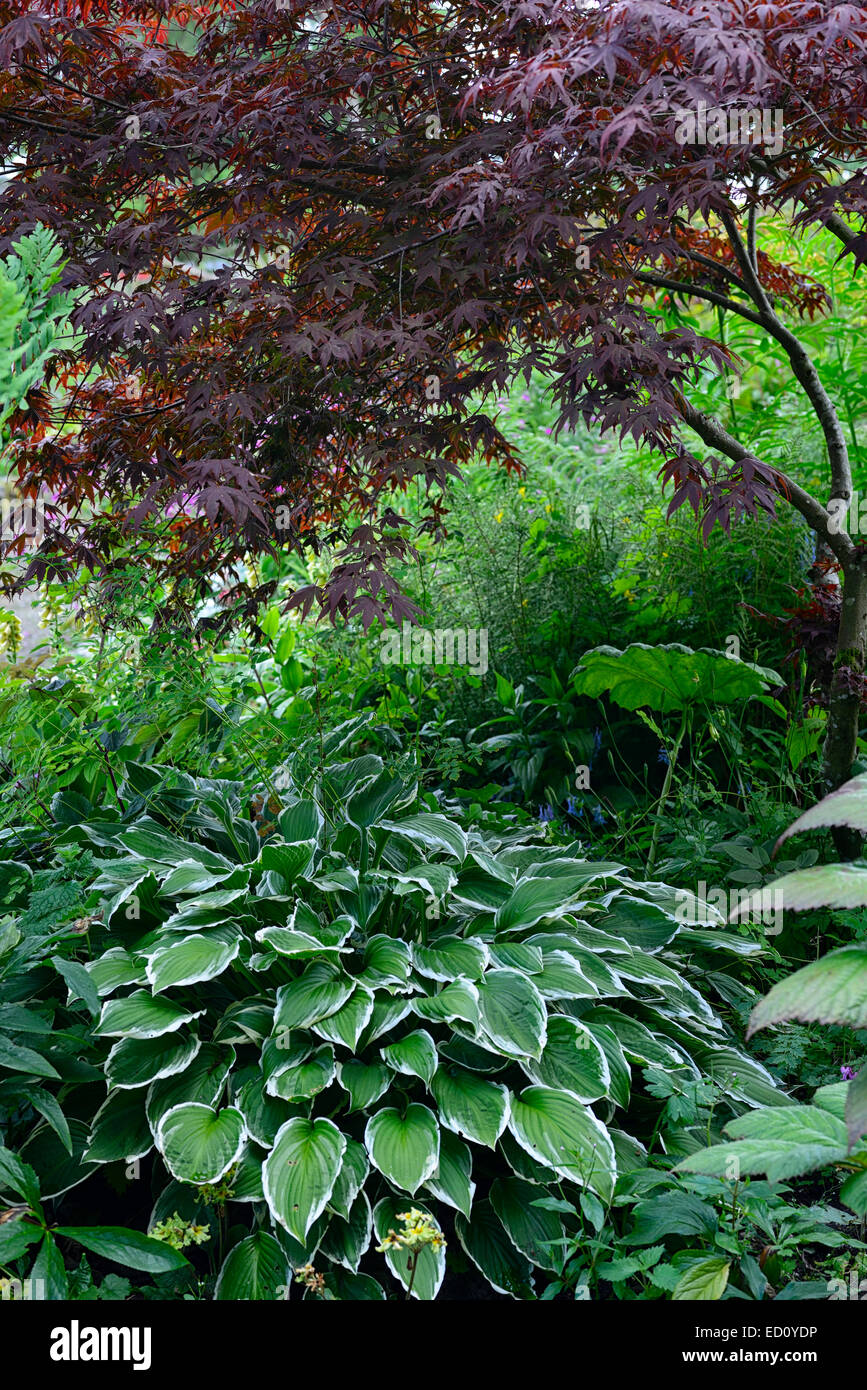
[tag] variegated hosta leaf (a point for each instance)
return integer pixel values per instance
(300, 1172)
(404, 1146)
(200, 1144)
(555, 1128)
(469, 1106)
(141, 1015)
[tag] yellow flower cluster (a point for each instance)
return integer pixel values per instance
(418, 1230)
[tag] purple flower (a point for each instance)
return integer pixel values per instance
(572, 806)
(847, 1073)
(546, 812)
(662, 757)
(598, 815)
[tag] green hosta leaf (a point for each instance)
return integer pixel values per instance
(200, 1144)
(296, 943)
(247, 1177)
(571, 1060)
(386, 961)
(706, 1280)
(559, 1131)
(405, 1148)
(351, 1178)
(537, 1233)
(516, 955)
(452, 1182)
(320, 991)
(291, 862)
(560, 978)
(470, 1107)
(299, 1174)
(139, 1061)
(129, 1248)
(192, 959)
(512, 1013)
(782, 1143)
(491, 1251)
(460, 1000)
(347, 1239)
(369, 805)
(364, 1082)
(303, 821)
(255, 1269)
(668, 677)
(830, 990)
(202, 1081)
(450, 958)
(619, 1070)
(644, 925)
(116, 968)
(263, 1114)
(141, 1015)
(347, 1024)
(414, 1055)
(305, 1080)
(120, 1129)
(58, 1169)
(537, 898)
(431, 1264)
(431, 831)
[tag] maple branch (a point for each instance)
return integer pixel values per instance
(802, 364)
(716, 436)
(712, 296)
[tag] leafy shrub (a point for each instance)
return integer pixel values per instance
(346, 1010)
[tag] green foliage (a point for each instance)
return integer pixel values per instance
(369, 1003)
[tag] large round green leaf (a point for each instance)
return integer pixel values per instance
(666, 678)
(200, 1144)
(452, 1182)
(405, 1148)
(414, 1055)
(300, 1172)
(557, 1129)
(120, 1129)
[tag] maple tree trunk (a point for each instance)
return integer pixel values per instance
(844, 701)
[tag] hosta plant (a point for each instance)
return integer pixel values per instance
(308, 1027)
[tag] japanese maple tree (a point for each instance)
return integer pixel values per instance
(312, 240)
